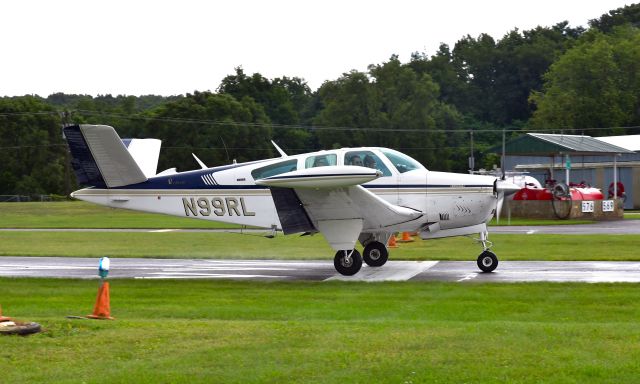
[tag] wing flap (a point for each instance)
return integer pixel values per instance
(354, 202)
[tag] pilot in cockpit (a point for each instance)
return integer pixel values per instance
(369, 162)
(355, 160)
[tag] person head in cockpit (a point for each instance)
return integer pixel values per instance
(320, 161)
(369, 162)
(355, 160)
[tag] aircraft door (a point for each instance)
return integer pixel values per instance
(385, 186)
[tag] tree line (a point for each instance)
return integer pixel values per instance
(553, 79)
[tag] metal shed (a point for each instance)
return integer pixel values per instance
(584, 157)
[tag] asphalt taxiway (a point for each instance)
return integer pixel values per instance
(461, 271)
(271, 270)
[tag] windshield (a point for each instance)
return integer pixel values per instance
(402, 162)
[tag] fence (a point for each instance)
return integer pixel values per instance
(28, 198)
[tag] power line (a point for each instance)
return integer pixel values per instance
(319, 127)
(28, 113)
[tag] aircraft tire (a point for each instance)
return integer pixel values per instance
(487, 261)
(347, 268)
(19, 328)
(375, 254)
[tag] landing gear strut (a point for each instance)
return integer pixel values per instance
(487, 261)
(348, 262)
(375, 254)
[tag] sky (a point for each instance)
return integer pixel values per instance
(137, 47)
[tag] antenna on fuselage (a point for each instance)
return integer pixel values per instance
(202, 165)
(282, 154)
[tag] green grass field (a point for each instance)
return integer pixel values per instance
(194, 331)
(78, 214)
(248, 332)
(253, 246)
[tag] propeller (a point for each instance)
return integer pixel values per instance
(499, 206)
(503, 188)
(501, 184)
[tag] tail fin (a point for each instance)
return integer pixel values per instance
(100, 159)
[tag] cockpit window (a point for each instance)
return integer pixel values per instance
(274, 169)
(402, 162)
(320, 160)
(366, 159)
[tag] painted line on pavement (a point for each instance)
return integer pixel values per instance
(392, 271)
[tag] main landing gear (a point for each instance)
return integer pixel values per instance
(487, 261)
(349, 262)
(375, 254)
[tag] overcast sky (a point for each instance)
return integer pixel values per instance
(162, 47)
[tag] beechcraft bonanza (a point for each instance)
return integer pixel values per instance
(349, 195)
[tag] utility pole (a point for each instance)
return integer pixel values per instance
(472, 160)
(64, 117)
(503, 158)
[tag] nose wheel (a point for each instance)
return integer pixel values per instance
(347, 262)
(487, 261)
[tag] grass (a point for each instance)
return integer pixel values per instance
(78, 214)
(252, 246)
(522, 222)
(305, 332)
(249, 332)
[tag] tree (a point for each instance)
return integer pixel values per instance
(629, 14)
(32, 158)
(594, 84)
(285, 100)
(217, 127)
(395, 107)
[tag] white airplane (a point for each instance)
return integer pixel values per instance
(350, 194)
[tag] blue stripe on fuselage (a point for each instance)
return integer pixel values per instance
(190, 180)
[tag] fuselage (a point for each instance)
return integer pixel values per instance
(230, 194)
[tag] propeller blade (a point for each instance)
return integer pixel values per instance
(499, 206)
(506, 187)
(503, 188)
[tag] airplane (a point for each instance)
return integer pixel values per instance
(348, 195)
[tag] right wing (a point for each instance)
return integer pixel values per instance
(330, 200)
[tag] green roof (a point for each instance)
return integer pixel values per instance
(543, 144)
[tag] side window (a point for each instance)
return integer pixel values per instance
(320, 161)
(366, 159)
(274, 169)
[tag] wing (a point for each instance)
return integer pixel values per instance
(329, 200)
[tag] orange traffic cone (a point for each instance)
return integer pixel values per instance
(3, 318)
(102, 310)
(392, 241)
(406, 237)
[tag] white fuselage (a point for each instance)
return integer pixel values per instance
(229, 194)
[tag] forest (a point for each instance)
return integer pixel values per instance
(435, 107)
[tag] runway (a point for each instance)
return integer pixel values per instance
(277, 270)
(618, 227)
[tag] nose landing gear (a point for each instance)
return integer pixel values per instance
(487, 261)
